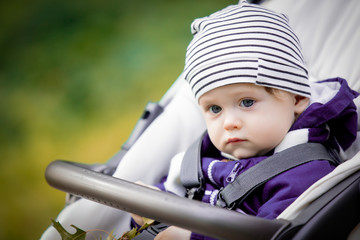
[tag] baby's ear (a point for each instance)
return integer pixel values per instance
(301, 103)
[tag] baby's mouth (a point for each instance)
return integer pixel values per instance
(235, 140)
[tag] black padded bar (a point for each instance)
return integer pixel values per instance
(164, 207)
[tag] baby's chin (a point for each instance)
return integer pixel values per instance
(245, 153)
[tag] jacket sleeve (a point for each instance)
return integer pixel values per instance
(195, 236)
(279, 192)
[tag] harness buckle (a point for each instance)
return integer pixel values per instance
(192, 192)
(220, 202)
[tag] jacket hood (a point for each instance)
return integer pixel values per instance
(331, 117)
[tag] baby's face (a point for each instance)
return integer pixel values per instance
(245, 120)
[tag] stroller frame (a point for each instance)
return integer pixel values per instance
(317, 221)
(333, 214)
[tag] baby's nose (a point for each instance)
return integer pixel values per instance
(232, 122)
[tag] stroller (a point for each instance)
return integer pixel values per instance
(328, 209)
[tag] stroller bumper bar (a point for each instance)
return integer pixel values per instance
(165, 207)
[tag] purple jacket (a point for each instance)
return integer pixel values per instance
(331, 119)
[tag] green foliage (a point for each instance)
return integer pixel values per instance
(74, 77)
(65, 235)
(81, 234)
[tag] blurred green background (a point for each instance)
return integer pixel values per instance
(74, 78)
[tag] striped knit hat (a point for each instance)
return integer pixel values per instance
(245, 43)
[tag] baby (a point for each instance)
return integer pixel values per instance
(248, 75)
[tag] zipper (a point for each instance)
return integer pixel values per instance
(234, 172)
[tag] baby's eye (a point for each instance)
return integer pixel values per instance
(215, 109)
(247, 103)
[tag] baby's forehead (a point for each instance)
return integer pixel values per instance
(231, 87)
(239, 90)
(231, 90)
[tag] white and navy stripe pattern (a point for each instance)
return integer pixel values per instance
(245, 43)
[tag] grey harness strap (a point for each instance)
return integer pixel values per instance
(256, 176)
(272, 166)
(190, 173)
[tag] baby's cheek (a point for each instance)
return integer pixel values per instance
(269, 135)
